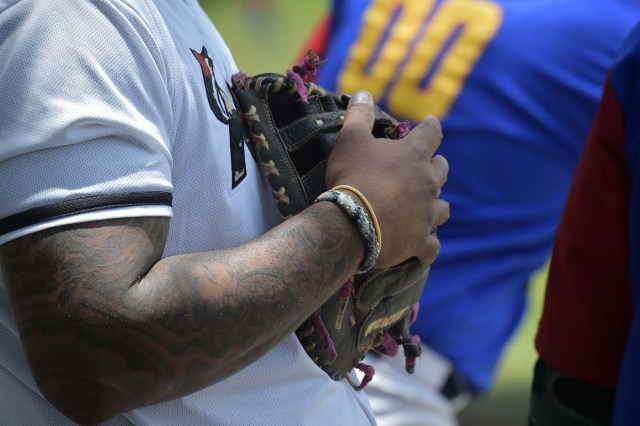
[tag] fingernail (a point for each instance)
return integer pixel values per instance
(360, 97)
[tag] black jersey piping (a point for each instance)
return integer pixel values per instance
(63, 209)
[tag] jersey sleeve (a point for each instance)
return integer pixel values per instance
(85, 117)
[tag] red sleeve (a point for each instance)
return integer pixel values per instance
(588, 306)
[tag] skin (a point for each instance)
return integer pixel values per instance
(108, 325)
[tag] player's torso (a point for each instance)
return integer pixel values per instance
(221, 199)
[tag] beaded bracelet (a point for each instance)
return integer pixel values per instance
(372, 214)
(366, 228)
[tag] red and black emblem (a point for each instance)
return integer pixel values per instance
(226, 111)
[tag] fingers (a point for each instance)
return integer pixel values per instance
(416, 182)
(431, 249)
(360, 112)
(432, 244)
(441, 208)
(440, 167)
(429, 131)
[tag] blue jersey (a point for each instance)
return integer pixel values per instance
(516, 84)
(625, 81)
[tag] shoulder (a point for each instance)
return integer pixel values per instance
(65, 61)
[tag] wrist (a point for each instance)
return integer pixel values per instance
(362, 217)
(362, 201)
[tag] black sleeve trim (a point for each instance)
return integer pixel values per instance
(83, 205)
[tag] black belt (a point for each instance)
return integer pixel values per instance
(454, 386)
(558, 399)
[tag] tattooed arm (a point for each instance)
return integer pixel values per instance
(107, 326)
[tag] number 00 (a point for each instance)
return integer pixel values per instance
(416, 55)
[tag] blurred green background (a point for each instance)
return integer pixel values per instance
(267, 35)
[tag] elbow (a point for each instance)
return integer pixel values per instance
(86, 402)
(90, 373)
(87, 383)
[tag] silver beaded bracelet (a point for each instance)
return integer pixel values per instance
(365, 226)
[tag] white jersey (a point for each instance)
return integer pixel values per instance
(121, 108)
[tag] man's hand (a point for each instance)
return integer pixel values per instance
(401, 179)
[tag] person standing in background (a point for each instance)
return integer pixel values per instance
(516, 85)
(589, 335)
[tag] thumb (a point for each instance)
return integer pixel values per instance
(360, 110)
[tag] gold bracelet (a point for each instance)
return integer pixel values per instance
(372, 214)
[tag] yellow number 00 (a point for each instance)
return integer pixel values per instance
(416, 55)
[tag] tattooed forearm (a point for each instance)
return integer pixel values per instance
(107, 326)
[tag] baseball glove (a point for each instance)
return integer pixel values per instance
(292, 125)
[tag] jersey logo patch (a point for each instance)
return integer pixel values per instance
(226, 111)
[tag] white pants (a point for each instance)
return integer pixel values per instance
(402, 399)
